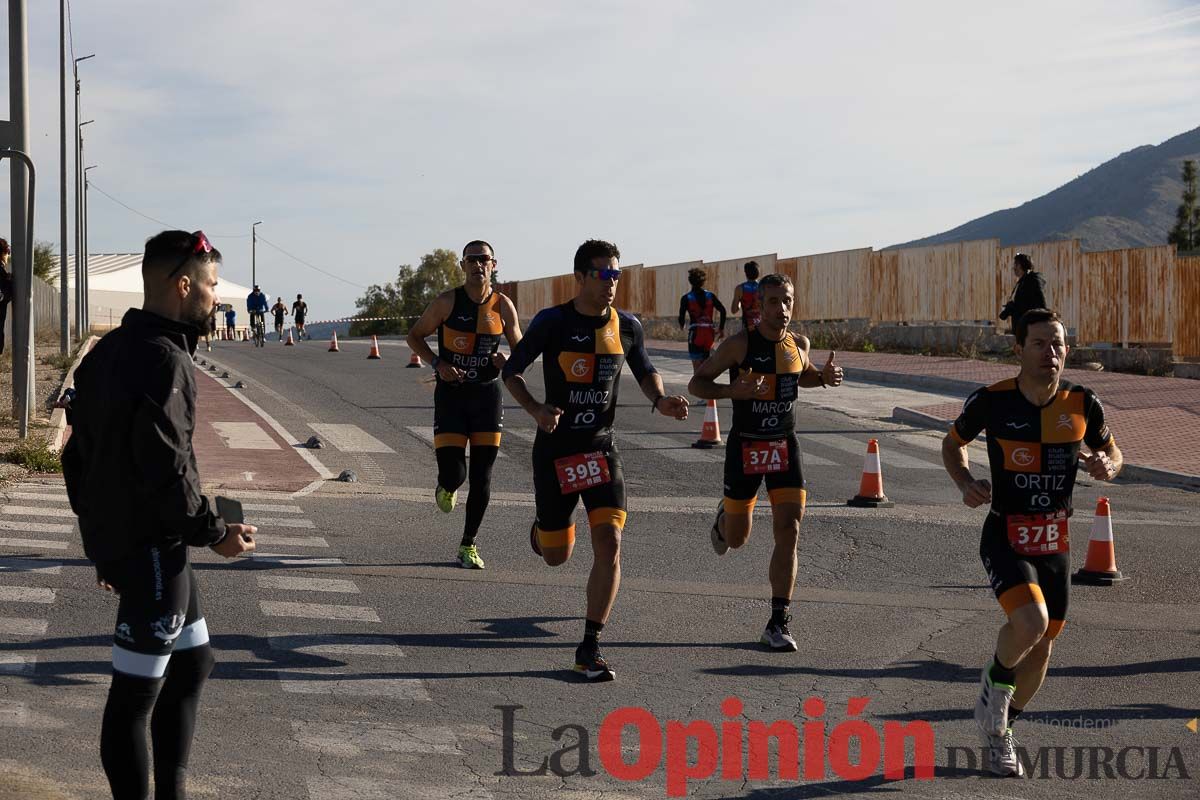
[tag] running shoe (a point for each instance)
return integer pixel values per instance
(591, 665)
(718, 544)
(445, 500)
(533, 542)
(468, 557)
(1002, 756)
(991, 707)
(779, 638)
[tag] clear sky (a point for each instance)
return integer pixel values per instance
(366, 133)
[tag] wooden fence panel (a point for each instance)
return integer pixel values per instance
(671, 283)
(1186, 334)
(1146, 302)
(1100, 317)
(1062, 265)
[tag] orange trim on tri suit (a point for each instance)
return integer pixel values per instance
(739, 506)
(606, 515)
(485, 439)
(560, 538)
(787, 494)
(1054, 628)
(1021, 595)
(608, 335)
(488, 319)
(449, 440)
(954, 435)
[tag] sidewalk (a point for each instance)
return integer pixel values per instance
(1156, 421)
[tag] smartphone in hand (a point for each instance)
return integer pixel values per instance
(230, 510)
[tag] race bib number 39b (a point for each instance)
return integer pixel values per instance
(760, 458)
(582, 471)
(1038, 534)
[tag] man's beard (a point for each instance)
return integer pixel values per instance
(196, 315)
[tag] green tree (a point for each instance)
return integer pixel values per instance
(44, 264)
(406, 298)
(1186, 233)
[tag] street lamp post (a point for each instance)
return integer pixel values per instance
(254, 254)
(78, 202)
(87, 318)
(64, 308)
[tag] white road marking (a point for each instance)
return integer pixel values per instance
(18, 564)
(34, 544)
(43, 498)
(26, 594)
(291, 541)
(11, 664)
(281, 608)
(889, 457)
(34, 527)
(334, 644)
(245, 436)
(349, 438)
(349, 740)
(296, 583)
(19, 626)
(346, 685)
(280, 522)
(292, 560)
(31, 511)
(356, 788)
(278, 509)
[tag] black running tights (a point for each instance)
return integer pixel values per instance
(452, 472)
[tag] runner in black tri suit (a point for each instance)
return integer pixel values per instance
(1035, 424)
(696, 310)
(280, 311)
(467, 401)
(583, 343)
(299, 313)
(771, 364)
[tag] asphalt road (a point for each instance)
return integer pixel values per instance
(357, 661)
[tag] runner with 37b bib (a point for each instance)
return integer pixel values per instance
(771, 364)
(1035, 424)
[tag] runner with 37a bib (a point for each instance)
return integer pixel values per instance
(467, 402)
(1035, 424)
(771, 365)
(583, 344)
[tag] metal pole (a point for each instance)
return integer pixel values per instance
(87, 316)
(79, 201)
(64, 304)
(21, 180)
(253, 254)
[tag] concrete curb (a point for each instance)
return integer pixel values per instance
(1130, 472)
(927, 382)
(58, 419)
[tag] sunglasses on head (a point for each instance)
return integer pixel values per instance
(479, 259)
(202, 245)
(605, 274)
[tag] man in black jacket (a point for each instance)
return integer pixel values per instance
(1029, 293)
(131, 476)
(6, 287)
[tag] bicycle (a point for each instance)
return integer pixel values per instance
(258, 326)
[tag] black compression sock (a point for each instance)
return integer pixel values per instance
(123, 749)
(591, 633)
(1001, 673)
(1013, 713)
(779, 610)
(174, 719)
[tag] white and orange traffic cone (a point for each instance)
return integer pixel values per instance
(1100, 568)
(414, 362)
(710, 433)
(289, 342)
(333, 348)
(374, 348)
(870, 489)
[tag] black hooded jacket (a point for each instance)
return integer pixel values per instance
(129, 465)
(1029, 293)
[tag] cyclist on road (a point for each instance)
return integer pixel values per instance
(696, 311)
(280, 311)
(771, 364)
(256, 304)
(467, 401)
(583, 343)
(1035, 424)
(746, 297)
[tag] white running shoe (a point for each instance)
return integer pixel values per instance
(1002, 756)
(991, 707)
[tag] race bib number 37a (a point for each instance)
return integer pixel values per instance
(1038, 534)
(760, 458)
(582, 471)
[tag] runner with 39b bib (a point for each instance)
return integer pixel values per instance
(1035, 424)
(583, 344)
(467, 401)
(771, 364)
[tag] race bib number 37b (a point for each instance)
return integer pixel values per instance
(582, 471)
(1038, 534)
(760, 458)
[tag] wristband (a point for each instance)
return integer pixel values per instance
(654, 405)
(433, 364)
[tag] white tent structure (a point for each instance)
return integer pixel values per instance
(115, 286)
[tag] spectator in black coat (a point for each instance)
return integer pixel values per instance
(1029, 293)
(6, 287)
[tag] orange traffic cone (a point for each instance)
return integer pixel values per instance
(710, 433)
(289, 342)
(374, 348)
(333, 348)
(414, 362)
(870, 490)
(1100, 568)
